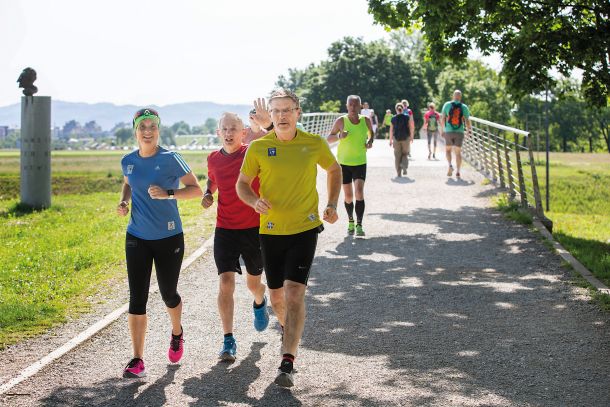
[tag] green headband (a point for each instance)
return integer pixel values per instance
(154, 118)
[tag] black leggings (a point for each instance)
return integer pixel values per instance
(167, 254)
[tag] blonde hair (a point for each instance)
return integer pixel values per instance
(231, 115)
(405, 102)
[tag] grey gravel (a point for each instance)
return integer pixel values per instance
(444, 303)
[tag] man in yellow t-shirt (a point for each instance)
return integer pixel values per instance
(285, 161)
(355, 135)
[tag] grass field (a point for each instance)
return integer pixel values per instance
(52, 262)
(81, 172)
(580, 207)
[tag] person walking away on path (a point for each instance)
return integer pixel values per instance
(431, 121)
(408, 112)
(355, 135)
(405, 108)
(454, 120)
(286, 160)
(236, 232)
(385, 125)
(151, 180)
(401, 137)
(370, 113)
(255, 131)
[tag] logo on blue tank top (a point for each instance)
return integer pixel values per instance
(271, 152)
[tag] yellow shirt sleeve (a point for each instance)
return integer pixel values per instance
(250, 166)
(326, 158)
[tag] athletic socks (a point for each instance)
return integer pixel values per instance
(349, 207)
(287, 364)
(359, 211)
(258, 306)
(229, 335)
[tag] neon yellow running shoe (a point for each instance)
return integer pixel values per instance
(359, 230)
(351, 227)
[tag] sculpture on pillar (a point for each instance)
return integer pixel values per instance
(26, 81)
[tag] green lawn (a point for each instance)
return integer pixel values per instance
(580, 207)
(90, 162)
(52, 261)
(82, 172)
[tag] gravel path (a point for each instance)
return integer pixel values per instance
(443, 303)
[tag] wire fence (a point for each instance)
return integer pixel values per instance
(504, 155)
(319, 123)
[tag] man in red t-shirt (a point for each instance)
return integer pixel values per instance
(236, 235)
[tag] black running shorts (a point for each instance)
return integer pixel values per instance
(288, 257)
(229, 244)
(353, 172)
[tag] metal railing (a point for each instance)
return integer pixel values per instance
(504, 155)
(318, 123)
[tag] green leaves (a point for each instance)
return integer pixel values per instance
(532, 37)
(376, 72)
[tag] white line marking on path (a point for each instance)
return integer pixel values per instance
(35, 367)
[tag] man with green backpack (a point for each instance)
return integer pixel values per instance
(431, 120)
(454, 119)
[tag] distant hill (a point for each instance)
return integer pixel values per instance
(108, 114)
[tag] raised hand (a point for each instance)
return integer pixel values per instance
(261, 117)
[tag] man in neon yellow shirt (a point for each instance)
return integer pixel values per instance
(285, 161)
(355, 134)
(387, 120)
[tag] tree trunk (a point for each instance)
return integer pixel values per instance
(605, 131)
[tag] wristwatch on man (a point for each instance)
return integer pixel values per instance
(170, 194)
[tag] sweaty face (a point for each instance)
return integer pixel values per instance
(284, 113)
(231, 132)
(147, 132)
(353, 106)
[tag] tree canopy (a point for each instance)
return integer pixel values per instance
(374, 71)
(532, 37)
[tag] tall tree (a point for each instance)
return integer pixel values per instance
(372, 70)
(483, 89)
(181, 128)
(123, 135)
(532, 37)
(210, 125)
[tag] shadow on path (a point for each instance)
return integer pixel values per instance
(114, 392)
(475, 309)
(228, 383)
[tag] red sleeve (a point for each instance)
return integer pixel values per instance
(211, 175)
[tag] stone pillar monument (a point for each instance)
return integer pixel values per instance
(35, 144)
